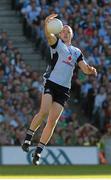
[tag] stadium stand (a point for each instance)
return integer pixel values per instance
(91, 22)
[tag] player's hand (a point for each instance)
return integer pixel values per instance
(92, 70)
(50, 17)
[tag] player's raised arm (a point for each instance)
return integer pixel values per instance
(51, 38)
(87, 69)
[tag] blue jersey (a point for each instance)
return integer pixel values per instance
(64, 58)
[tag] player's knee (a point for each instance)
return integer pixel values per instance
(43, 114)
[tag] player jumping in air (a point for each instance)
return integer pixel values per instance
(57, 86)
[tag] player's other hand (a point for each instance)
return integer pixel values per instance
(92, 70)
(50, 17)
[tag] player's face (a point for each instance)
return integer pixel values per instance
(66, 34)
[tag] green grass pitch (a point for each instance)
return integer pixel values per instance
(51, 171)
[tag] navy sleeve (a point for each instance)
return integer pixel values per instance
(80, 58)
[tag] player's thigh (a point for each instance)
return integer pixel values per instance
(46, 103)
(54, 113)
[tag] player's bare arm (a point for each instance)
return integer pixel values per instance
(51, 38)
(87, 69)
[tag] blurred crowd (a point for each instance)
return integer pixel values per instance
(21, 87)
(20, 93)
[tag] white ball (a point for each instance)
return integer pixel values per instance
(54, 26)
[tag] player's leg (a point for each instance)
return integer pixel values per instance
(46, 103)
(53, 118)
(54, 114)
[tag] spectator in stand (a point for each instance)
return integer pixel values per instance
(85, 134)
(3, 40)
(99, 99)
